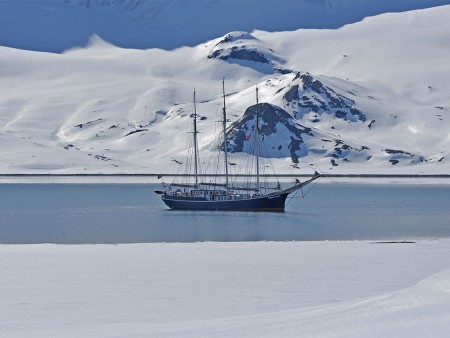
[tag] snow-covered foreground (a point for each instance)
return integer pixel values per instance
(317, 289)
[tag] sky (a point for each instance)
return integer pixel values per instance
(57, 25)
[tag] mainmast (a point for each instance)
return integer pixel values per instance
(257, 140)
(225, 145)
(195, 143)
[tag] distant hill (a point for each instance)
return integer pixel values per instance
(57, 25)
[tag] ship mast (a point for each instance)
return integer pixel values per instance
(225, 145)
(195, 143)
(257, 141)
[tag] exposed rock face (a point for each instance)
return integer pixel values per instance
(240, 53)
(239, 46)
(276, 127)
(401, 156)
(245, 49)
(311, 95)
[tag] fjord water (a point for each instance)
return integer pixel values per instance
(131, 213)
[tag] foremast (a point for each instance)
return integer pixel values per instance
(195, 143)
(225, 144)
(257, 140)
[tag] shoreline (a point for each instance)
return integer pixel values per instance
(373, 179)
(239, 175)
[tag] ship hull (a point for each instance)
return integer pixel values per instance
(272, 203)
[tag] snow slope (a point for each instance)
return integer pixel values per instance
(269, 289)
(373, 94)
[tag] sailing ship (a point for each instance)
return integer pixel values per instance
(228, 195)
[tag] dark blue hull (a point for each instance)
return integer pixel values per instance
(274, 203)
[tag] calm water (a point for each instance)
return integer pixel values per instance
(124, 213)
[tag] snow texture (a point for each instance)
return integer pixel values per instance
(267, 289)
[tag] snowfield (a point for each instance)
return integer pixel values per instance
(269, 289)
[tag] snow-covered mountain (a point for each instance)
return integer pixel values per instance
(369, 97)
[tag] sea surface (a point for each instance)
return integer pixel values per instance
(132, 213)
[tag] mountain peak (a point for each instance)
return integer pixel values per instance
(244, 49)
(281, 136)
(308, 94)
(236, 36)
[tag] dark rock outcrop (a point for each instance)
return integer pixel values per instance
(279, 135)
(311, 95)
(246, 50)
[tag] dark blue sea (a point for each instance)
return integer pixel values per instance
(132, 213)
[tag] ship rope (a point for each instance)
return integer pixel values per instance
(311, 187)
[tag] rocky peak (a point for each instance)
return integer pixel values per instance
(280, 136)
(244, 49)
(306, 94)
